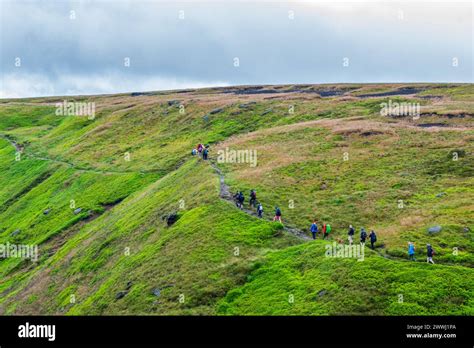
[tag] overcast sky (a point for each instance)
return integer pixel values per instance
(48, 50)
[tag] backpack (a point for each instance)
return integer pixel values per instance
(374, 237)
(328, 228)
(363, 235)
(253, 195)
(278, 212)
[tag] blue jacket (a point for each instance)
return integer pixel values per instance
(314, 228)
(411, 249)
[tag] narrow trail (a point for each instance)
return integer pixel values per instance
(226, 194)
(21, 148)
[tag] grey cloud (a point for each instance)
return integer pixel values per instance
(59, 54)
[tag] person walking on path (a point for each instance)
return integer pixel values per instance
(277, 214)
(363, 236)
(200, 147)
(411, 251)
(260, 210)
(314, 229)
(429, 253)
(253, 198)
(241, 199)
(328, 230)
(373, 239)
(351, 234)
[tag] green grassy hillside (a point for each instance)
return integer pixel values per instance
(95, 194)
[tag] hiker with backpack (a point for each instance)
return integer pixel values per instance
(277, 214)
(323, 231)
(327, 231)
(260, 210)
(351, 234)
(241, 200)
(363, 236)
(253, 198)
(236, 199)
(205, 153)
(199, 148)
(373, 239)
(429, 253)
(314, 229)
(411, 251)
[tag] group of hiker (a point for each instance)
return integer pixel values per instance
(326, 229)
(201, 150)
(239, 199)
(239, 202)
(363, 236)
(429, 252)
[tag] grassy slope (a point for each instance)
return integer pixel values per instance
(322, 285)
(195, 257)
(306, 165)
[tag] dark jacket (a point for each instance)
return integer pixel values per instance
(372, 236)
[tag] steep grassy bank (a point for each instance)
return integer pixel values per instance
(302, 281)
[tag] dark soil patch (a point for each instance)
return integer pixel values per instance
(429, 125)
(400, 91)
(448, 115)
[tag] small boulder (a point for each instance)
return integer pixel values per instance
(77, 211)
(246, 105)
(172, 218)
(16, 232)
(216, 111)
(46, 212)
(267, 112)
(173, 102)
(322, 293)
(434, 229)
(120, 294)
(441, 194)
(156, 292)
(129, 285)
